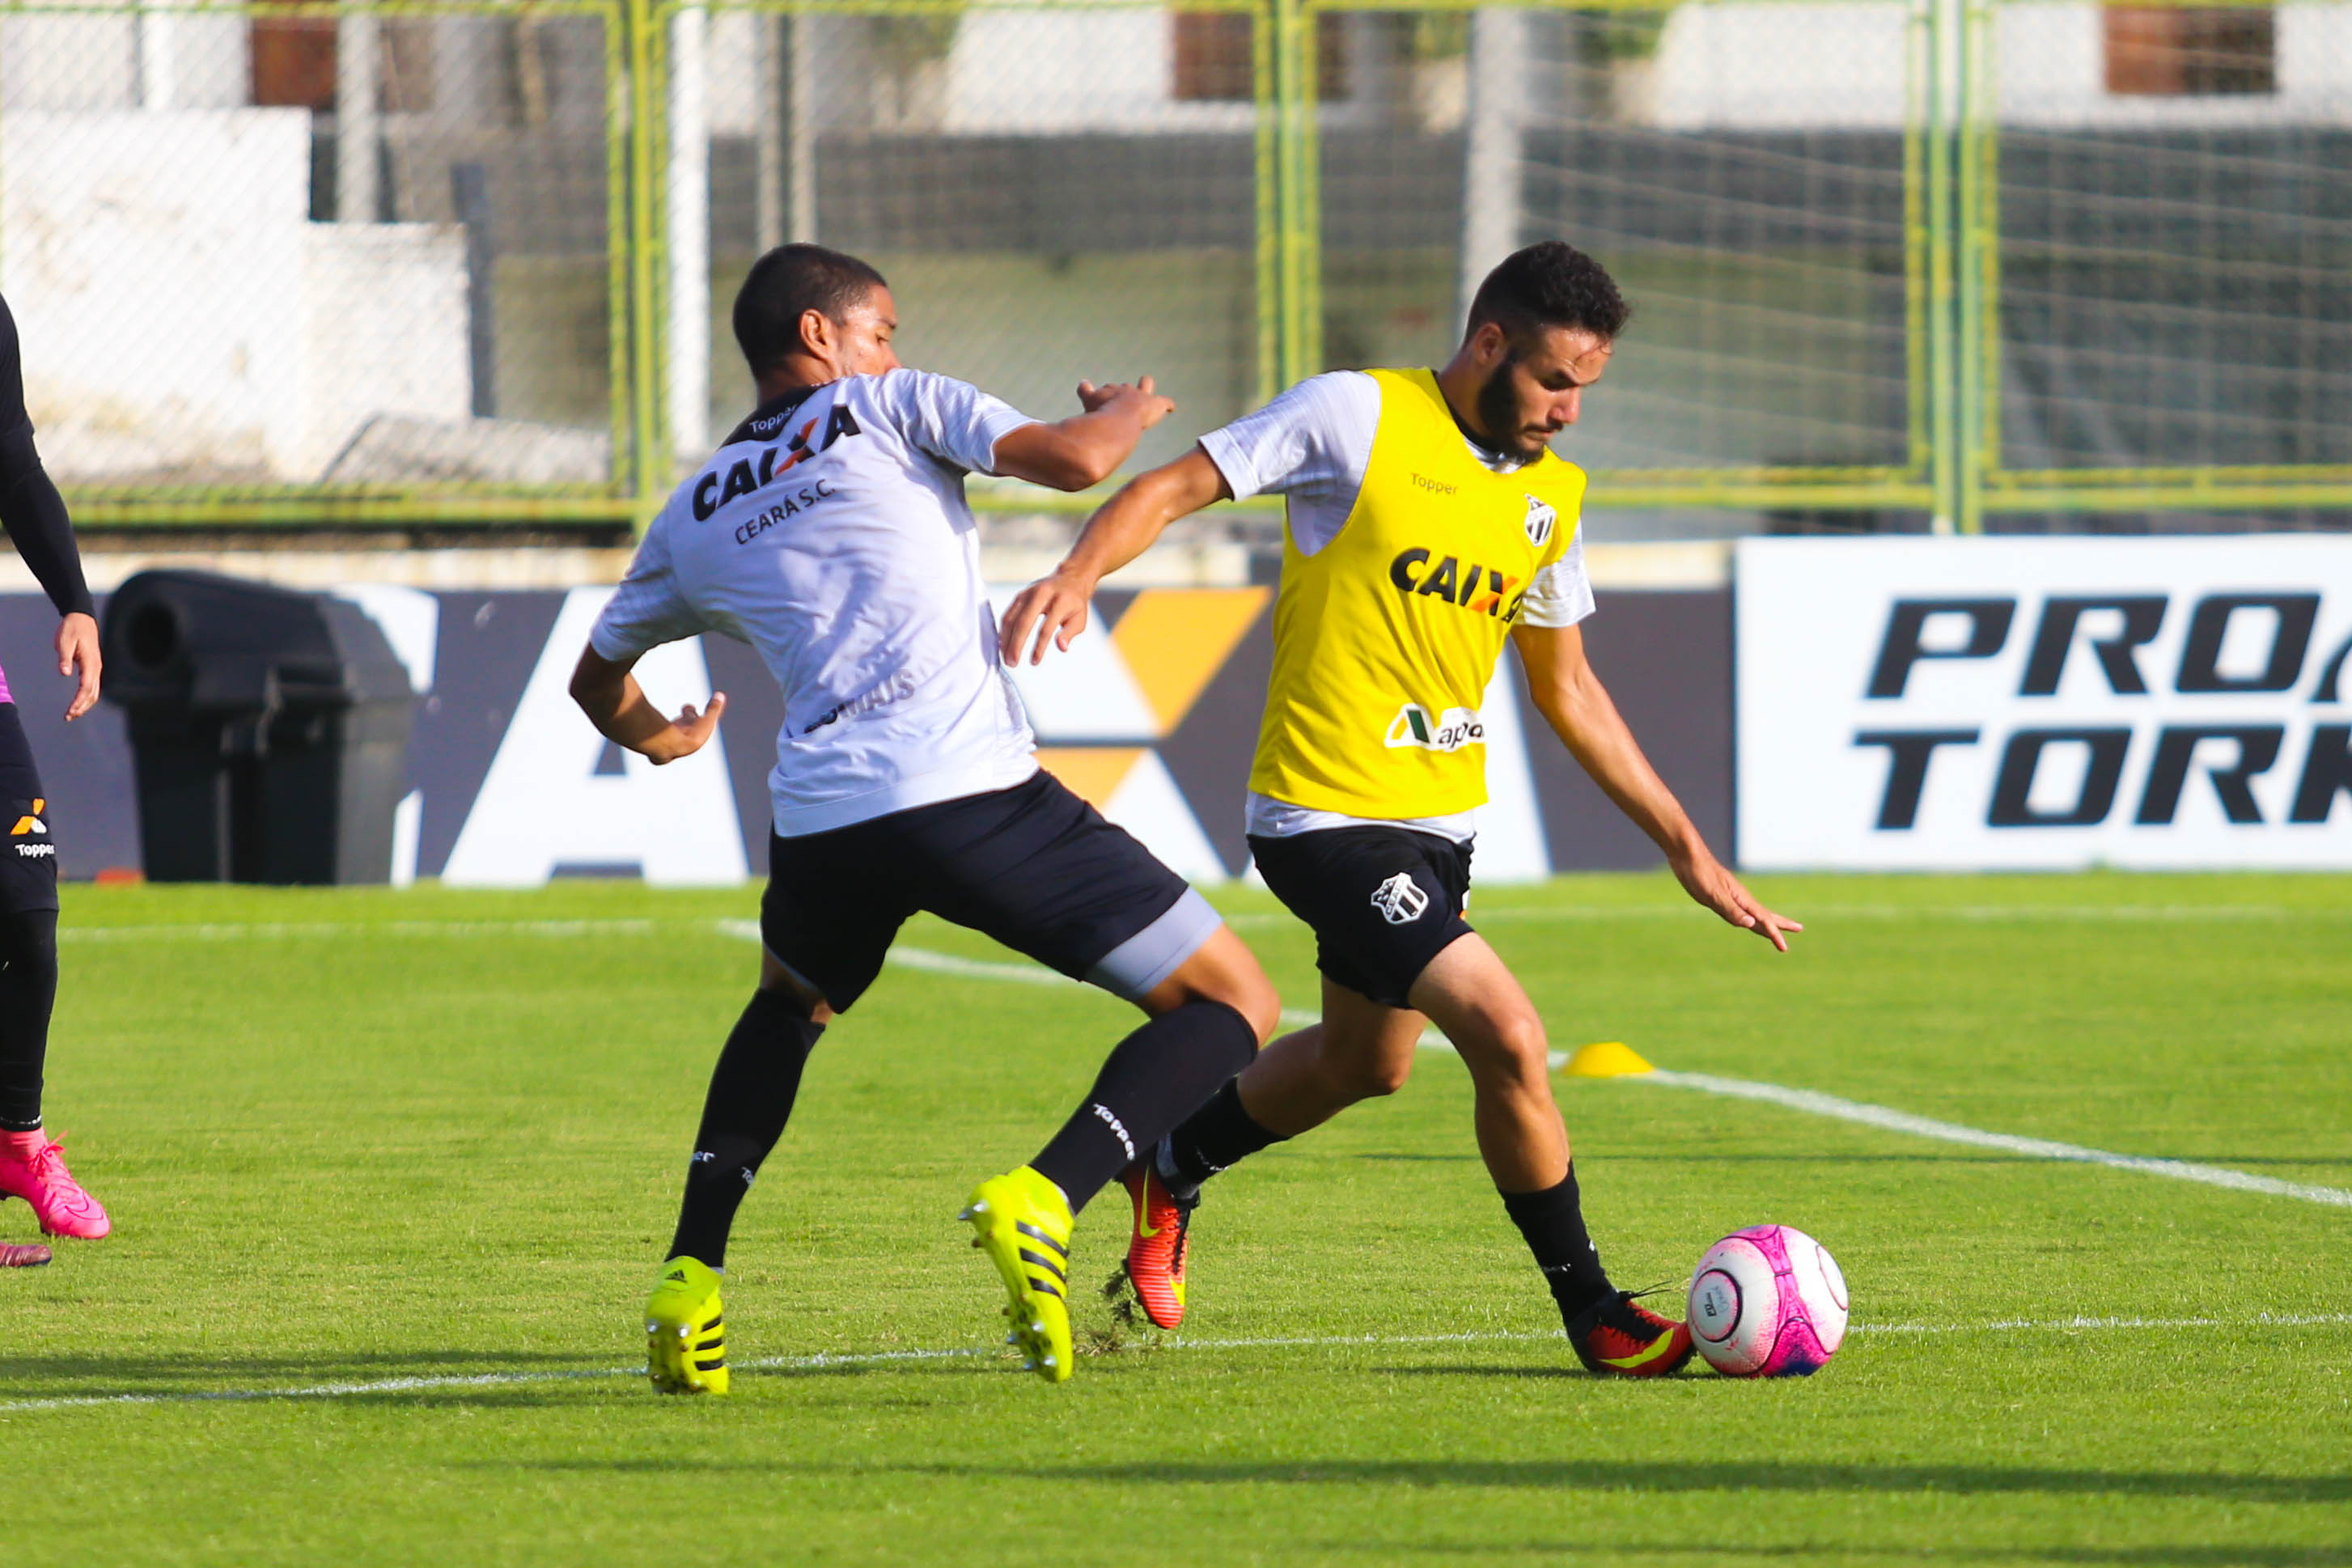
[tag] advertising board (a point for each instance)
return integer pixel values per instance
(2044, 703)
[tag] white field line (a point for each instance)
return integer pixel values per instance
(1029, 974)
(1805, 1100)
(2129, 914)
(1829, 1105)
(272, 931)
(825, 1361)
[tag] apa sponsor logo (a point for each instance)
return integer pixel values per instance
(2146, 702)
(744, 477)
(1456, 728)
(1481, 590)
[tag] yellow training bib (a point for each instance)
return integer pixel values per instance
(1385, 638)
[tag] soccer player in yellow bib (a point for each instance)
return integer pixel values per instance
(1427, 522)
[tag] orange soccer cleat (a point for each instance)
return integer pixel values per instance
(1617, 1338)
(1160, 1243)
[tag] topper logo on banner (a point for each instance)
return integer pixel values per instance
(2045, 703)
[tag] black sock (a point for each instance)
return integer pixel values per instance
(1151, 1080)
(29, 989)
(1221, 1133)
(1553, 1222)
(750, 1099)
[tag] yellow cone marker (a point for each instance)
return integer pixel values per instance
(1605, 1058)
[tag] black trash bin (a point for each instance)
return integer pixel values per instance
(269, 730)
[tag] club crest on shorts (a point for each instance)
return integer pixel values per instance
(1541, 519)
(1400, 900)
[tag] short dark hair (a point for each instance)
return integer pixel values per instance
(1552, 284)
(789, 281)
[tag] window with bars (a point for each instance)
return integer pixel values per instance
(1212, 57)
(2184, 52)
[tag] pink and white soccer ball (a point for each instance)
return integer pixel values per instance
(1768, 1302)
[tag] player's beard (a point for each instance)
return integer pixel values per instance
(1499, 414)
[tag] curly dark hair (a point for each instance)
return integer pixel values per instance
(786, 282)
(1551, 284)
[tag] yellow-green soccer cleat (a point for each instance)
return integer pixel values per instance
(1024, 1227)
(685, 1338)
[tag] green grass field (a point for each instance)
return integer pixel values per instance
(357, 1138)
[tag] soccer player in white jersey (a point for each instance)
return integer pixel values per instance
(830, 532)
(1429, 522)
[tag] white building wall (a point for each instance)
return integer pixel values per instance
(1781, 65)
(181, 316)
(1761, 63)
(158, 60)
(1045, 71)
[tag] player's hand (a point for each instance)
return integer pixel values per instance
(1054, 607)
(687, 732)
(1706, 878)
(1148, 406)
(77, 656)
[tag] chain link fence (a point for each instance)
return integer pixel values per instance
(302, 262)
(1987, 262)
(2167, 272)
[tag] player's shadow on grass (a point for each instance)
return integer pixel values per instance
(1667, 1476)
(1566, 1476)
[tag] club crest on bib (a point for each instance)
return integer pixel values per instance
(1400, 900)
(1542, 520)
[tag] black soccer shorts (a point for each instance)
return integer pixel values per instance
(28, 865)
(1382, 902)
(1034, 866)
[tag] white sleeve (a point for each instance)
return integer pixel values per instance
(1561, 593)
(647, 610)
(950, 419)
(1312, 443)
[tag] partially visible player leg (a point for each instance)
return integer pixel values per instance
(1473, 996)
(1045, 875)
(750, 1098)
(1207, 1020)
(837, 940)
(1358, 1049)
(1371, 941)
(32, 1164)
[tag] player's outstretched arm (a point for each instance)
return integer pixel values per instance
(1082, 451)
(1053, 609)
(1577, 706)
(622, 711)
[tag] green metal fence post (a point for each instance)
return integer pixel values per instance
(1301, 203)
(1272, 296)
(645, 256)
(1944, 380)
(1976, 365)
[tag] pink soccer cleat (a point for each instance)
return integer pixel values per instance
(57, 1200)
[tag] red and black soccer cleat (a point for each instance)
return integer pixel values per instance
(1615, 1338)
(15, 1256)
(1159, 1245)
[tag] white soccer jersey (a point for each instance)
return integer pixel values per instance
(1311, 445)
(831, 534)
